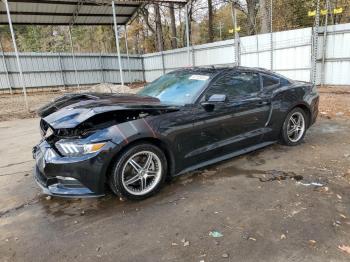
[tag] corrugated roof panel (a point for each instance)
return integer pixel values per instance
(62, 11)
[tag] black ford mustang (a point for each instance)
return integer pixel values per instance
(182, 121)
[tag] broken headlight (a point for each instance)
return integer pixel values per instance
(74, 148)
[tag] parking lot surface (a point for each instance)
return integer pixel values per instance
(276, 204)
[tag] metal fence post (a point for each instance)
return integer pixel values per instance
(101, 67)
(193, 56)
(127, 52)
(61, 69)
(143, 68)
(163, 64)
(315, 44)
(5, 67)
(324, 47)
(271, 37)
(257, 49)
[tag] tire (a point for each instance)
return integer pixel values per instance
(134, 180)
(287, 136)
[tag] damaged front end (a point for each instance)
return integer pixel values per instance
(81, 135)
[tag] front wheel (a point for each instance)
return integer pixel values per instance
(139, 172)
(294, 127)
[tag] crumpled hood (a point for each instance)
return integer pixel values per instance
(70, 110)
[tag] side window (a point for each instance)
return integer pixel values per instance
(235, 84)
(269, 81)
(284, 81)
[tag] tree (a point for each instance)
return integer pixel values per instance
(159, 31)
(210, 22)
(264, 16)
(173, 34)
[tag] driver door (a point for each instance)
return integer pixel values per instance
(232, 125)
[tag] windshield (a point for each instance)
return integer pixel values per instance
(177, 88)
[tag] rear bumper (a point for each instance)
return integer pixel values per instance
(71, 176)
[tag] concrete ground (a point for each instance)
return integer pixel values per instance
(261, 205)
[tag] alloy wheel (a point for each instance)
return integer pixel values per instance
(141, 173)
(296, 127)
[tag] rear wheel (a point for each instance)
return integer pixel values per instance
(139, 172)
(294, 127)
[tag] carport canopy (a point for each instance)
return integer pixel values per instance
(69, 12)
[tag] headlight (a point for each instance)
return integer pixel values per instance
(73, 148)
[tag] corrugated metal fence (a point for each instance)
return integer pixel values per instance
(57, 69)
(291, 57)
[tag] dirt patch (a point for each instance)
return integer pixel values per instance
(334, 102)
(13, 106)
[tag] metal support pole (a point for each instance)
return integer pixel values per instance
(5, 67)
(101, 67)
(324, 46)
(117, 43)
(163, 64)
(73, 55)
(257, 49)
(188, 35)
(127, 53)
(143, 68)
(271, 37)
(17, 55)
(315, 44)
(193, 56)
(61, 69)
(236, 38)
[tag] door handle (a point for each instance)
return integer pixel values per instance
(263, 103)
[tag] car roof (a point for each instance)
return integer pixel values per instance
(218, 69)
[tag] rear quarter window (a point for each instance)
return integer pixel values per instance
(269, 82)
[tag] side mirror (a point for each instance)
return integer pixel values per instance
(209, 105)
(217, 98)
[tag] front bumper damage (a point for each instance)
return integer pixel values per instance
(71, 176)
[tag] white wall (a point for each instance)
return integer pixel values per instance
(291, 56)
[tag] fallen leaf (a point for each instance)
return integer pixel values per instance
(343, 216)
(339, 196)
(345, 248)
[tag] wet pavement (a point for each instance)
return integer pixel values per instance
(275, 204)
